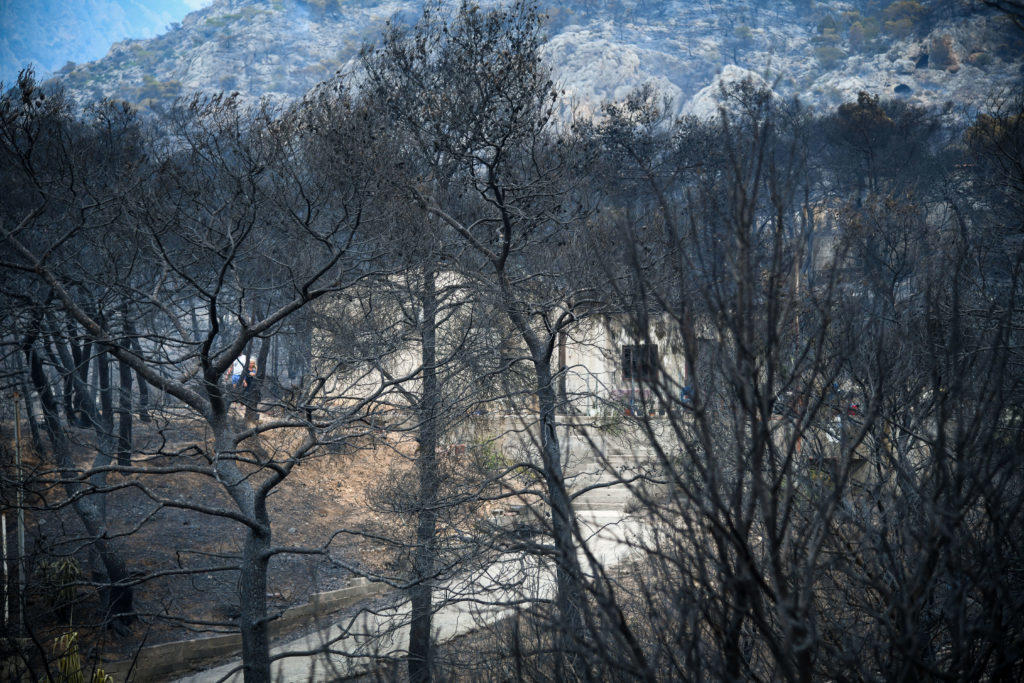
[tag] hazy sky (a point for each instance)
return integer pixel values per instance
(50, 33)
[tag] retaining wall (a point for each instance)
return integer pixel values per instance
(170, 660)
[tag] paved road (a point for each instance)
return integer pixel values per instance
(472, 600)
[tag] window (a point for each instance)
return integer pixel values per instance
(640, 362)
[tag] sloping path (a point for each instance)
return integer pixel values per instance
(475, 599)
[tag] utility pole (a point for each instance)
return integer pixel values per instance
(21, 511)
(3, 533)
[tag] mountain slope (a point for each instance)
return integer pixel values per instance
(598, 50)
(50, 33)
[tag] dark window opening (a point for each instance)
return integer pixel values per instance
(640, 362)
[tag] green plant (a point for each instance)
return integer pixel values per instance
(69, 662)
(829, 56)
(828, 23)
(153, 88)
(59, 579)
(901, 18)
(222, 20)
(488, 454)
(143, 55)
(858, 36)
(827, 37)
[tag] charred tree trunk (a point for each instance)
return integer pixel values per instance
(421, 647)
(60, 360)
(30, 410)
(106, 401)
(300, 346)
(124, 418)
(84, 414)
(87, 400)
(140, 381)
(563, 395)
(569, 598)
(275, 350)
(252, 577)
(84, 402)
(68, 393)
(254, 392)
(71, 398)
(194, 319)
(252, 594)
(113, 574)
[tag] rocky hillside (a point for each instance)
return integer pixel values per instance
(823, 52)
(50, 33)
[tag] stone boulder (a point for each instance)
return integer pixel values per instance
(904, 66)
(592, 68)
(942, 53)
(732, 90)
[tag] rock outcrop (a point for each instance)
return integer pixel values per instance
(941, 54)
(730, 91)
(598, 52)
